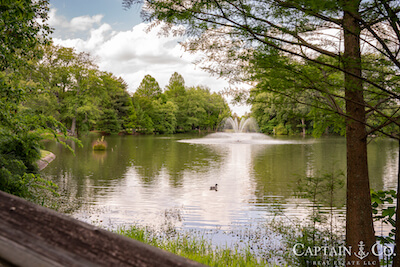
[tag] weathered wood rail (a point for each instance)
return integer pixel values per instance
(31, 235)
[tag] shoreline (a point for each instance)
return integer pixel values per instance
(43, 162)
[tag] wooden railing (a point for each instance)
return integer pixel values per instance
(31, 235)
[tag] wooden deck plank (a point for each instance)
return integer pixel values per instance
(33, 234)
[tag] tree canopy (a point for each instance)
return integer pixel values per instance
(234, 33)
(178, 108)
(23, 30)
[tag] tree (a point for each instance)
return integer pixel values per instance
(109, 122)
(179, 109)
(176, 86)
(217, 110)
(143, 121)
(78, 94)
(286, 26)
(276, 114)
(163, 117)
(73, 81)
(149, 87)
(23, 30)
(85, 80)
(197, 108)
(176, 92)
(294, 94)
(114, 96)
(53, 71)
(143, 99)
(204, 110)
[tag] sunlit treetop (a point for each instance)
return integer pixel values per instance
(228, 31)
(149, 87)
(22, 28)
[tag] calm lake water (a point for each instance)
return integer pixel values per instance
(149, 180)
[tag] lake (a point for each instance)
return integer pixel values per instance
(156, 180)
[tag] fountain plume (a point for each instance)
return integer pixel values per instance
(245, 125)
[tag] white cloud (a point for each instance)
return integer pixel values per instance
(135, 53)
(84, 23)
(77, 24)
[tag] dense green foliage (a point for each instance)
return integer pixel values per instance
(22, 31)
(47, 89)
(291, 96)
(316, 37)
(77, 94)
(178, 109)
(83, 98)
(299, 76)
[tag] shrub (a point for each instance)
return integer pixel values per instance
(99, 144)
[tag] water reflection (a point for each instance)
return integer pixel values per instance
(139, 178)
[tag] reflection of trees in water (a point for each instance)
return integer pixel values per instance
(276, 168)
(152, 155)
(87, 173)
(90, 173)
(382, 161)
(196, 158)
(255, 173)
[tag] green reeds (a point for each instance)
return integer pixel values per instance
(195, 248)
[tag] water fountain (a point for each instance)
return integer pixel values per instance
(234, 131)
(244, 125)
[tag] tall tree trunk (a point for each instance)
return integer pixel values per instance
(73, 126)
(303, 125)
(396, 260)
(360, 233)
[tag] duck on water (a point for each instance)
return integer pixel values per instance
(214, 187)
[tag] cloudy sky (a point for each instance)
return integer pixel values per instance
(117, 39)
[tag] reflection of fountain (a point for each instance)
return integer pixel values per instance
(245, 125)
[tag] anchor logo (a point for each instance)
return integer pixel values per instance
(361, 254)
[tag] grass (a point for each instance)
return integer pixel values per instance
(195, 248)
(44, 153)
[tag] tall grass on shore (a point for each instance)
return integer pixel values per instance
(195, 248)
